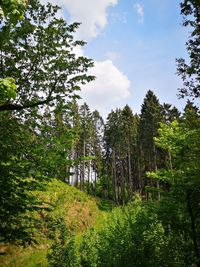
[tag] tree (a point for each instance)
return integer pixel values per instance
(39, 56)
(20, 169)
(85, 145)
(181, 140)
(112, 139)
(97, 145)
(120, 153)
(129, 146)
(190, 72)
(151, 116)
(35, 145)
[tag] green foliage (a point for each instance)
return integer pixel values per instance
(89, 249)
(120, 157)
(181, 140)
(56, 200)
(64, 140)
(50, 69)
(189, 69)
(104, 187)
(18, 178)
(14, 9)
(7, 89)
(40, 58)
(64, 252)
(132, 236)
(170, 137)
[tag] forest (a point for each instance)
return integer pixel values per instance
(76, 189)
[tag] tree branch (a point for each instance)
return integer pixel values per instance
(10, 106)
(21, 107)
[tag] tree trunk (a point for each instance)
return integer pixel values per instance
(114, 177)
(129, 172)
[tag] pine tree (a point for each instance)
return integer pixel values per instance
(97, 146)
(151, 116)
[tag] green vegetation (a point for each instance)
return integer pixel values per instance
(75, 191)
(58, 203)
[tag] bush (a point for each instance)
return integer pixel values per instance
(133, 236)
(64, 251)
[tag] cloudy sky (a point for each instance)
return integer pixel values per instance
(134, 44)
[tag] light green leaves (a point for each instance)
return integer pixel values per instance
(8, 89)
(170, 137)
(14, 9)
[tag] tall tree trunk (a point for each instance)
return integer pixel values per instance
(89, 173)
(114, 182)
(130, 172)
(83, 166)
(122, 184)
(73, 168)
(95, 177)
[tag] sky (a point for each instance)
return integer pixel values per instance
(134, 44)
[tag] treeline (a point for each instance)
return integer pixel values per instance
(111, 158)
(130, 149)
(164, 228)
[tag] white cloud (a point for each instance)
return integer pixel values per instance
(78, 50)
(112, 55)
(109, 89)
(140, 12)
(91, 13)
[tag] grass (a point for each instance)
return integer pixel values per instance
(78, 211)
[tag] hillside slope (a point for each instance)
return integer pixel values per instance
(59, 201)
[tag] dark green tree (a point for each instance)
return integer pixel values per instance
(20, 172)
(120, 153)
(190, 71)
(97, 146)
(151, 116)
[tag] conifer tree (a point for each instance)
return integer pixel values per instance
(97, 146)
(151, 116)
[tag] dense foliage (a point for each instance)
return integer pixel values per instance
(34, 142)
(146, 166)
(189, 71)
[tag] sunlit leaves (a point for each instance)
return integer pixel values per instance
(170, 136)
(7, 89)
(14, 9)
(41, 57)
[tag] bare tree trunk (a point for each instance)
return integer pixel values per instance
(89, 173)
(130, 172)
(122, 184)
(139, 177)
(82, 182)
(73, 168)
(76, 177)
(95, 177)
(114, 177)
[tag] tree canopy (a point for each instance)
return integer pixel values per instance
(38, 53)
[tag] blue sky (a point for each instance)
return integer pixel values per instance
(134, 44)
